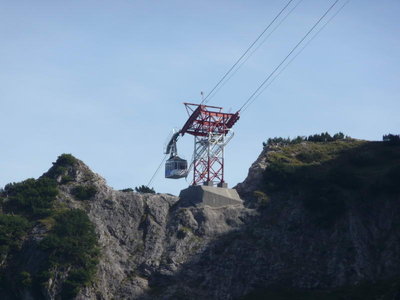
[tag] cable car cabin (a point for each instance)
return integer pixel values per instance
(176, 168)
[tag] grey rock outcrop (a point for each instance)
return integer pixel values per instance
(254, 175)
(143, 237)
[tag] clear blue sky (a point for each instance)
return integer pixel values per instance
(105, 80)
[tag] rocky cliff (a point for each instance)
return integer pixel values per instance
(307, 230)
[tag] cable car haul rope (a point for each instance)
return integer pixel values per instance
(212, 128)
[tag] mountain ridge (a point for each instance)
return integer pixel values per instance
(281, 243)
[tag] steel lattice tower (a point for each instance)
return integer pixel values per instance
(211, 129)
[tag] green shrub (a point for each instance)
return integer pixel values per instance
(56, 171)
(339, 136)
(323, 137)
(31, 197)
(392, 139)
(66, 160)
(25, 279)
(145, 189)
(82, 192)
(76, 279)
(279, 175)
(12, 231)
(72, 238)
(60, 167)
(127, 190)
(66, 178)
(2, 197)
(73, 243)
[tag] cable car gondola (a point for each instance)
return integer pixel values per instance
(176, 167)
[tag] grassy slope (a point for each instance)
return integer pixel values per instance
(329, 177)
(362, 161)
(365, 160)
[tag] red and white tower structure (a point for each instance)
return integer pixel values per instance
(212, 130)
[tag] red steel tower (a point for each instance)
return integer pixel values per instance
(211, 129)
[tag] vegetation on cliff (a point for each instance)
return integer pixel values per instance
(31, 198)
(60, 168)
(69, 242)
(317, 138)
(13, 229)
(82, 192)
(145, 189)
(328, 176)
(140, 189)
(333, 180)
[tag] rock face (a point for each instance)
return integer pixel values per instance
(143, 237)
(152, 247)
(254, 176)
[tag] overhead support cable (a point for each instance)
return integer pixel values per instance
(299, 52)
(251, 99)
(252, 52)
(204, 101)
(157, 170)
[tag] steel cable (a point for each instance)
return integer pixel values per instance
(298, 53)
(248, 49)
(250, 99)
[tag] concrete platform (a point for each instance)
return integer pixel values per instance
(200, 195)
